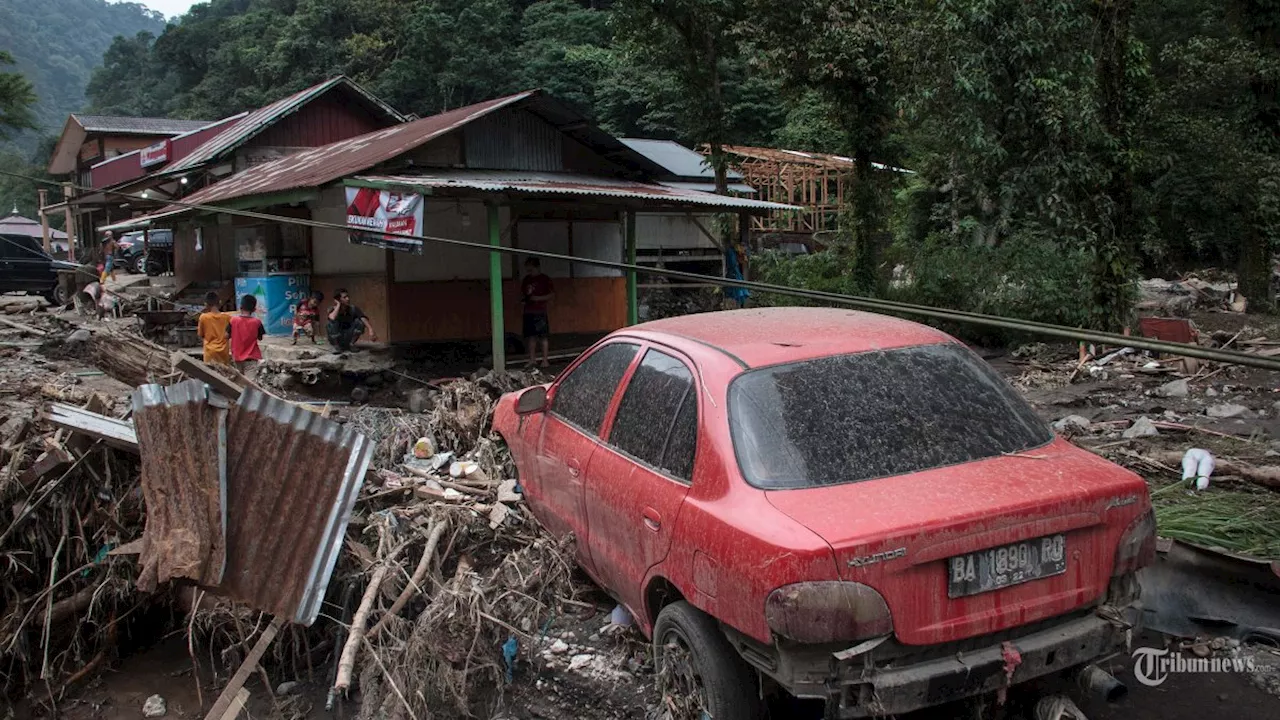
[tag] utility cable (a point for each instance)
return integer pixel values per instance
(866, 303)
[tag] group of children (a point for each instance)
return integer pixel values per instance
(233, 338)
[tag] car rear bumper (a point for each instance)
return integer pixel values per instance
(857, 688)
(892, 691)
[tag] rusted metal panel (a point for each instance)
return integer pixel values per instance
(182, 437)
(565, 184)
(292, 479)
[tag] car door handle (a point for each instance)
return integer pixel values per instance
(575, 467)
(652, 519)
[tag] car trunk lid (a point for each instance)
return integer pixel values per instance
(1063, 509)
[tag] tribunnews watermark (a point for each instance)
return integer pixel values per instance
(1152, 666)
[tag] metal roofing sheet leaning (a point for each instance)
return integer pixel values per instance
(292, 478)
(566, 184)
(182, 438)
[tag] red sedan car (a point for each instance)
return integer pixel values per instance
(853, 506)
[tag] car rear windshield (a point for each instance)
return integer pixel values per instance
(848, 418)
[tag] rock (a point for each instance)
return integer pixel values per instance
(360, 394)
(79, 336)
(1176, 389)
(559, 647)
(1222, 697)
(577, 662)
(288, 688)
(1142, 427)
(374, 380)
(419, 400)
(1210, 392)
(154, 707)
(1072, 424)
(1226, 410)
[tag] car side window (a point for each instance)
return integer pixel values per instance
(657, 420)
(582, 397)
(25, 248)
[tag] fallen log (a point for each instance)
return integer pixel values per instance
(23, 327)
(131, 359)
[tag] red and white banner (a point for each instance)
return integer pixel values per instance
(155, 154)
(371, 213)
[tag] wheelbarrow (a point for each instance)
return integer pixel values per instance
(158, 323)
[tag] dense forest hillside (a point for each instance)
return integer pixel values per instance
(58, 43)
(1060, 149)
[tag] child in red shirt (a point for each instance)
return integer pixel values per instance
(245, 331)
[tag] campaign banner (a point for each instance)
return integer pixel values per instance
(371, 213)
(278, 296)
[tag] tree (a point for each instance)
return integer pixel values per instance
(848, 52)
(16, 99)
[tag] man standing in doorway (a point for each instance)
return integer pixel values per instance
(536, 293)
(347, 323)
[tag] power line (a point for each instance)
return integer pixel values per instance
(866, 303)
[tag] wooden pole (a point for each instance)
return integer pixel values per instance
(495, 291)
(44, 222)
(633, 301)
(71, 228)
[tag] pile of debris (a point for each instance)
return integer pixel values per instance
(443, 591)
(1179, 298)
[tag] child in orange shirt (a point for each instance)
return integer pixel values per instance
(212, 329)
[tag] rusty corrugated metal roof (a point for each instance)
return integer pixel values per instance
(292, 480)
(182, 438)
(262, 118)
(563, 184)
(318, 166)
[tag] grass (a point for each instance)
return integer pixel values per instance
(1242, 520)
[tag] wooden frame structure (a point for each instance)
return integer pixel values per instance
(815, 181)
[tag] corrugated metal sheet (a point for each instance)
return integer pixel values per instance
(678, 160)
(324, 120)
(262, 118)
(292, 480)
(567, 185)
(182, 438)
(515, 140)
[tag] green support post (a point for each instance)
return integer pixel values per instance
(633, 301)
(495, 291)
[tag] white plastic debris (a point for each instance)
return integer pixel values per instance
(1198, 464)
(154, 707)
(620, 617)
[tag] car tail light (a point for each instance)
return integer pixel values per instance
(820, 612)
(1137, 545)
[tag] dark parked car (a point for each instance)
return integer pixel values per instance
(131, 256)
(25, 268)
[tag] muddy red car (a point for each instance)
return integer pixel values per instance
(851, 506)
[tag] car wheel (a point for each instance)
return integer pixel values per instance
(699, 672)
(140, 264)
(57, 297)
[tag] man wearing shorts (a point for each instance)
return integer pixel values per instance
(536, 293)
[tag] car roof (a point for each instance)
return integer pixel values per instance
(769, 336)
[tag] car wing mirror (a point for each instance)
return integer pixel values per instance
(532, 400)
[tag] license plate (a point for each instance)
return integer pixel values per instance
(999, 567)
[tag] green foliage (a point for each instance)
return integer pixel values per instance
(16, 99)
(57, 43)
